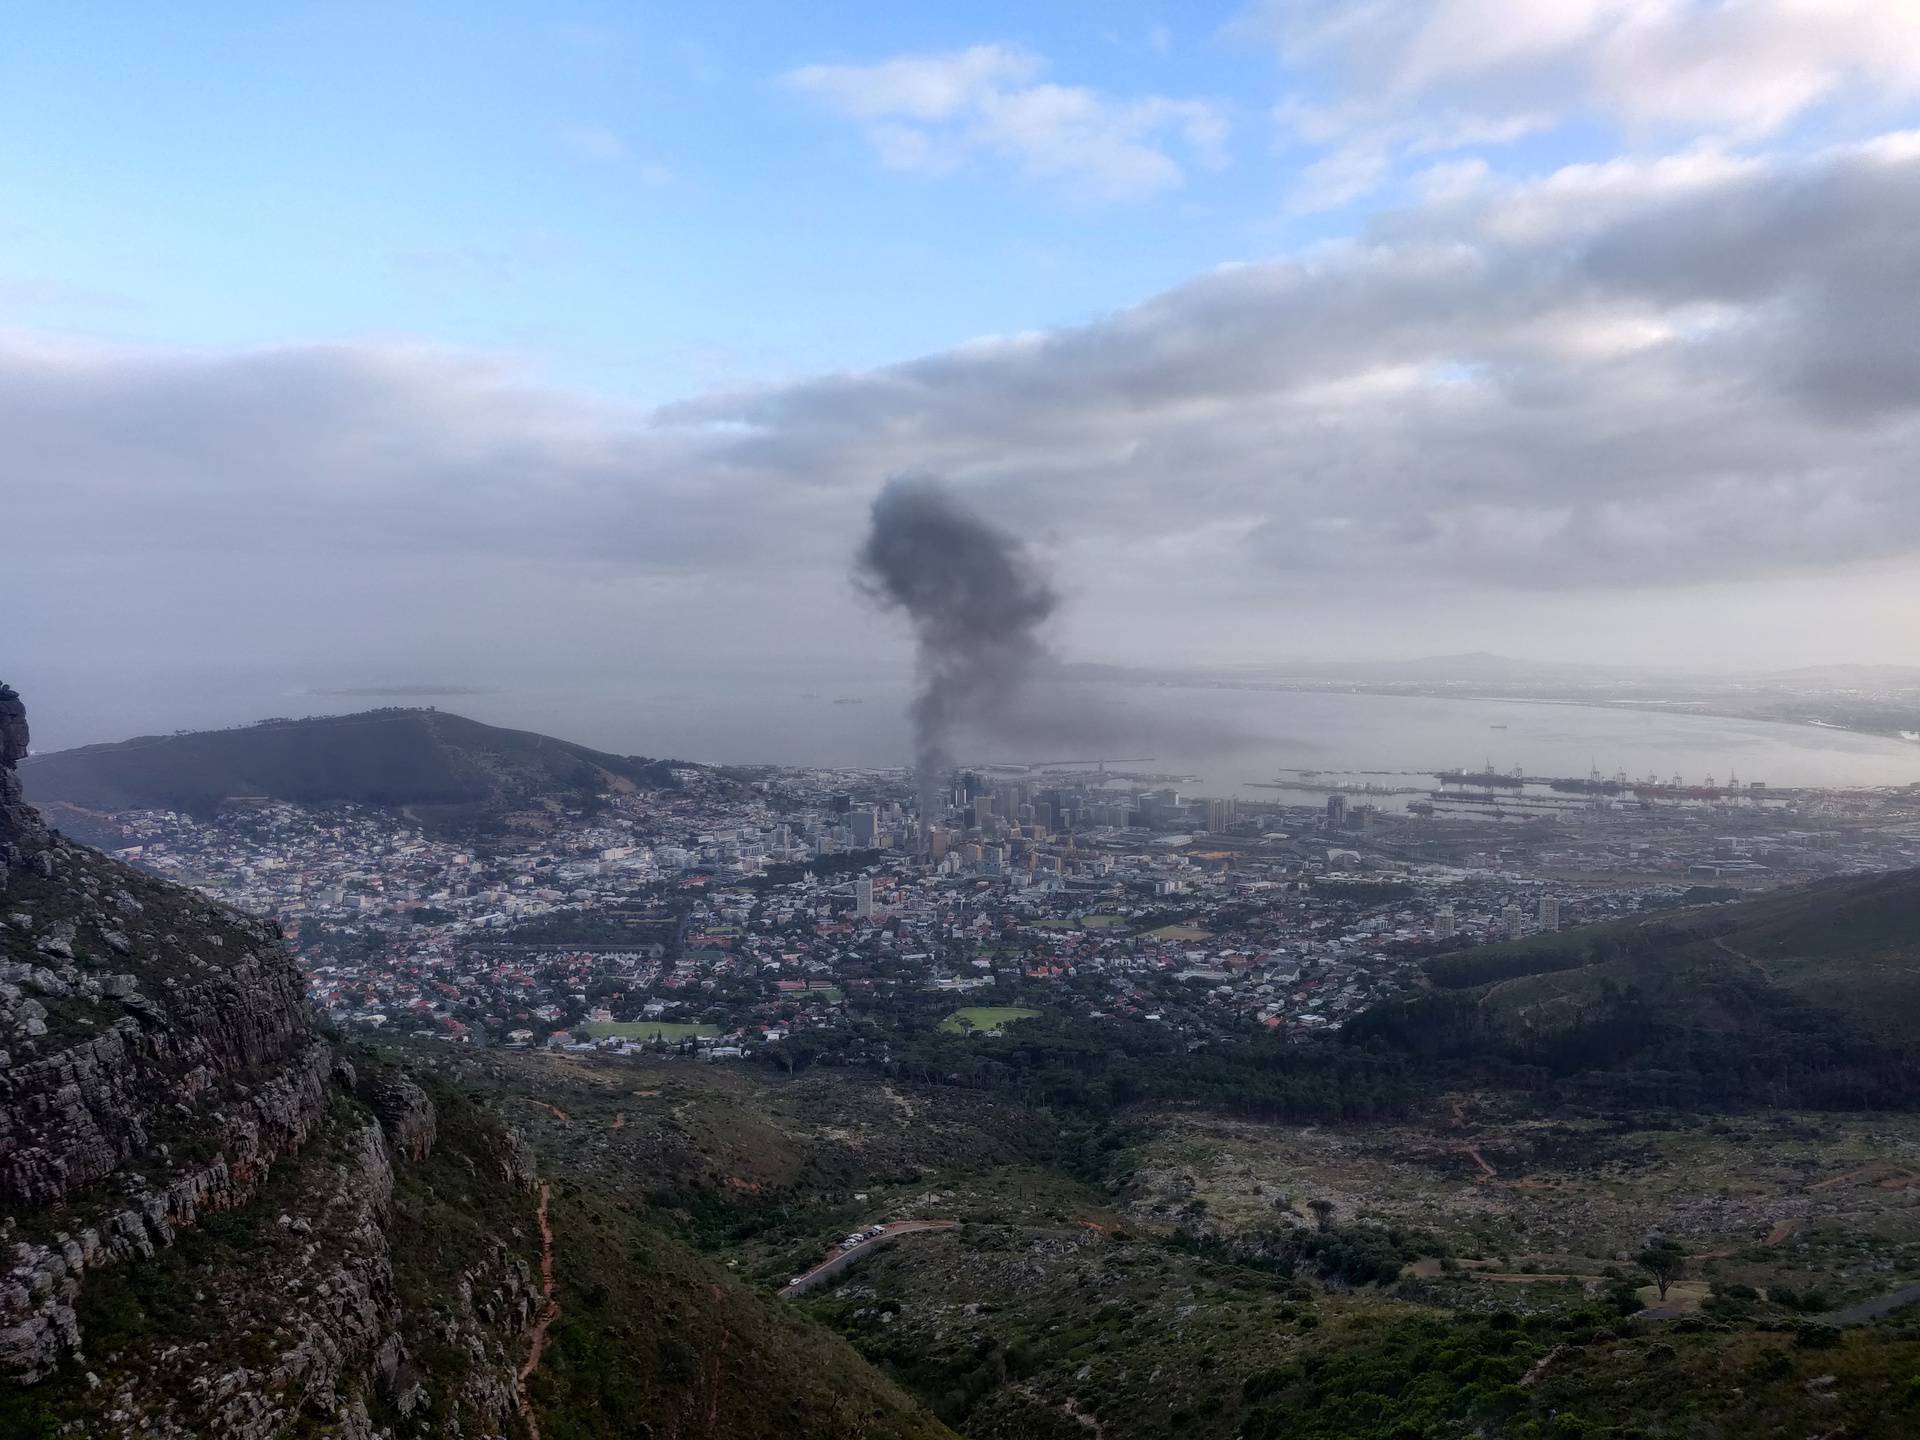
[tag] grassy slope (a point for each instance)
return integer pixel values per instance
(653, 1340)
(1850, 947)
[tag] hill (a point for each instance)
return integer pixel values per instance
(426, 759)
(218, 1223)
(1803, 996)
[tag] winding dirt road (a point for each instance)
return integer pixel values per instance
(549, 1312)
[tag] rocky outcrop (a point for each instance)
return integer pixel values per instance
(21, 830)
(157, 1059)
(158, 1066)
(404, 1110)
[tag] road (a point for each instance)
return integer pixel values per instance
(841, 1259)
(1873, 1309)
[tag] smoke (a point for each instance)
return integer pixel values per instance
(976, 602)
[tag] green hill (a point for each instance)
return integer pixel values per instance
(394, 757)
(1804, 996)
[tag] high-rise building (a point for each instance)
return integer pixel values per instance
(1336, 812)
(1549, 912)
(863, 897)
(1515, 920)
(938, 840)
(865, 823)
(1443, 922)
(1220, 815)
(982, 809)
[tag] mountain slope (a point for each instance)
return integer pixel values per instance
(196, 1190)
(378, 757)
(1803, 997)
(214, 1224)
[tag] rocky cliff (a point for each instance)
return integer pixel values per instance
(198, 1197)
(20, 827)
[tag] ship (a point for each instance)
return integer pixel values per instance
(1486, 777)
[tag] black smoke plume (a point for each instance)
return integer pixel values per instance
(976, 601)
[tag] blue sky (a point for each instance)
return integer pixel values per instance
(1279, 327)
(628, 194)
(630, 197)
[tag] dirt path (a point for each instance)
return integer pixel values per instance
(1487, 1172)
(1882, 1173)
(1457, 1120)
(1086, 1422)
(719, 1359)
(549, 1312)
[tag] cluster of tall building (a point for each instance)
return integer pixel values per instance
(1516, 922)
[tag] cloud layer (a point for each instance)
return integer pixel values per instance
(1614, 379)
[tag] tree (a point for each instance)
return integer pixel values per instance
(1665, 1261)
(1322, 1212)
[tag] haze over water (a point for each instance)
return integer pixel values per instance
(1229, 738)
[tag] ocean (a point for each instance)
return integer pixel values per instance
(1229, 741)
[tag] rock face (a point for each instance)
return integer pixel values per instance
(158, 1067)
(20, 826)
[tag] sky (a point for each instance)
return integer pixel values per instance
(535, 343)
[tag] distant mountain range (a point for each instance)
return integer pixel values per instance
(1482, 667)
(392, 757)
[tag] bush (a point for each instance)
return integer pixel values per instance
(1772, 1365)
(1623, 1297)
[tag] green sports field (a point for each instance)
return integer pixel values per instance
(985, 1017)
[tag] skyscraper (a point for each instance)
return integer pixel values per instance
(1549, 912)
(863, 897)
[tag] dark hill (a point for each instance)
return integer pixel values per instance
(379, 757)
(1808, 996)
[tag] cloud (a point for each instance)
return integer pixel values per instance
(1418, 76)
(1563, 383)
(932, 113)
(597, 145)
(1614, 380)
(593, 142)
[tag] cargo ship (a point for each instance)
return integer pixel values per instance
(1487, 777)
